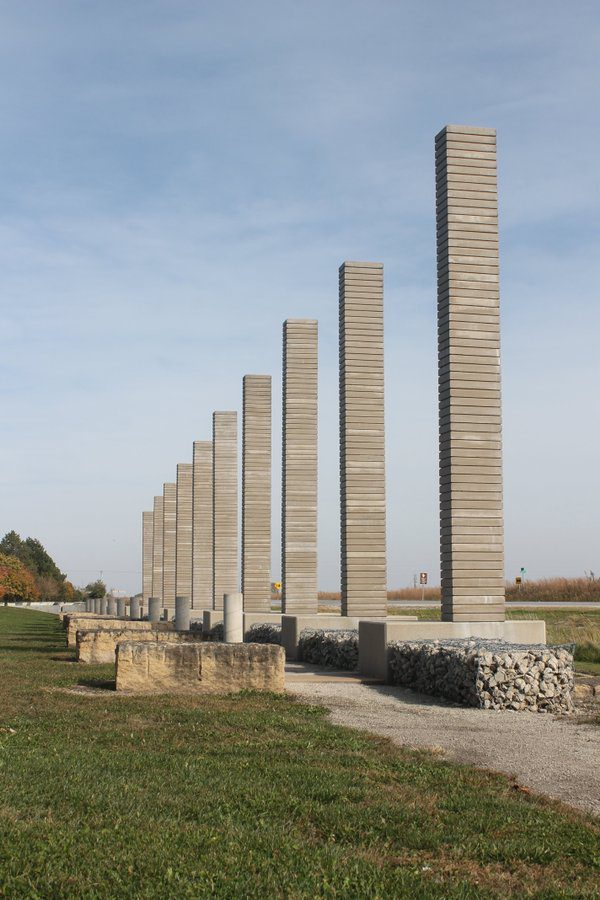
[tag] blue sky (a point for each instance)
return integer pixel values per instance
(180, 177)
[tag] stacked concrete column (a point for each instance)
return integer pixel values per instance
(256, 493)
(472, 543)
(202, 527)
(299, 468)
(169, 544)
(225, 507)
(147, 554)
(183, 531)
(362, 440)
(157, 550)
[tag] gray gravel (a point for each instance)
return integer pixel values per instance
(555, 757)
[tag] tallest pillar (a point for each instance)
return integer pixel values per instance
(471, 522)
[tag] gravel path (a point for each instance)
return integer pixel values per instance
(552, 756)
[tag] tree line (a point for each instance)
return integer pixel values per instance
(28, 573)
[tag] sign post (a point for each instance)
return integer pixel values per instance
(423, 582)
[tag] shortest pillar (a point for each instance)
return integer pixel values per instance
(233, 618)
(154, 609)
(134, 608)
(121, 607)
(112, 606)
(182, 613)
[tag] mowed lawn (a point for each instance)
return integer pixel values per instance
(247, 796)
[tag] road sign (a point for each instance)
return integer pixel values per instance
(517, 580)
(522, 570)
(423, 578)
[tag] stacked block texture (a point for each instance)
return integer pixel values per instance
(362, 440)
(256, 493)
(183, 531)
(488, 675)
(225, 507)
(169, 544)
(299, 467)
(147, 548)
(202, 528)
(471, 520)
(157, 548)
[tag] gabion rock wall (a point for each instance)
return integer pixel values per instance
(263, 633)
(335, 649)
(486, 674)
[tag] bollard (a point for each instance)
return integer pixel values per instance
(134, 608)
(182, 613)
(89, 605)
(111, 606)
(104, 603)
(233, 618)
(121, 607)
(154, 609)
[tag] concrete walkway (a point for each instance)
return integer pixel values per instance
(552, 756)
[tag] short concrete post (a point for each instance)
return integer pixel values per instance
(121, 607)
(182, 613)
(233, 618)
(134, 608)
(154, 609)
(112, 606)
(89, 605)
(104, 608)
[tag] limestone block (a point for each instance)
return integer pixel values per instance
(202, 668)
(97, 646)
(70, 623)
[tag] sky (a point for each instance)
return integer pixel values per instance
(177, 177)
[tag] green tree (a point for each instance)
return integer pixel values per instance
(95, 589)
(12, 545)
(44, 564)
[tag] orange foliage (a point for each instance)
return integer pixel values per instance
(16, 581)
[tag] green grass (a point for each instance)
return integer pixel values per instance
(247, 796)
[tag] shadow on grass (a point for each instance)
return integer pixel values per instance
(100, 684)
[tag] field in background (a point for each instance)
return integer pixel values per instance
(576, 590)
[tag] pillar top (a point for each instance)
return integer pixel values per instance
(465, 129)
(360, 264)
(300, 322)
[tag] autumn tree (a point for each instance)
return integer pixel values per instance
(16, 581)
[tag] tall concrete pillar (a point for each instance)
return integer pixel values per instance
(225, 506)
(183, 531)
(471, 520)
(157, 550)
(256, 493)
(169, 542)
(147, 553)
(299, 468)
(362, 440)
(202, 525)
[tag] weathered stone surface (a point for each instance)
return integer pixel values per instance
(97, 646)
(201, 668)
(94, 622)
(487, 674)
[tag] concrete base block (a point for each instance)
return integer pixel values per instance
(200, 668)
(210, 618)
(260, 618)
(374, 637)
(291, 626)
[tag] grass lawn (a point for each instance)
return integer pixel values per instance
(247, 796)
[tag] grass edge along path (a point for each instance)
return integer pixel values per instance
(246, 796)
